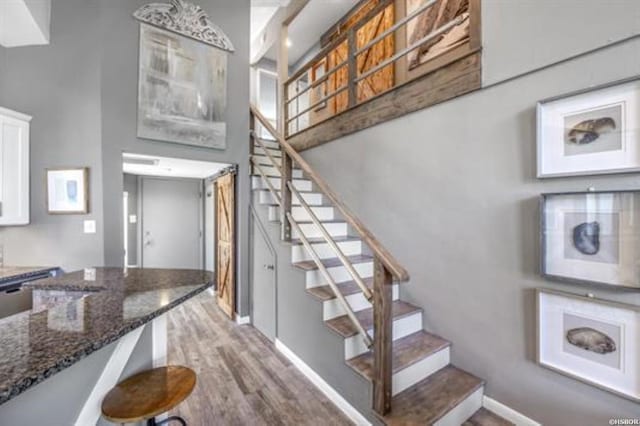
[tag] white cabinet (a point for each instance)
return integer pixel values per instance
(14, 168)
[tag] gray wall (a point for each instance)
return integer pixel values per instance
(459, 180)
(82, 91)
(130, 183)
(59, 85)
(119, 40)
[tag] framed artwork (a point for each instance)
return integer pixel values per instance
(591, 340)
(68, 191)
(590, 132)
(591, 237)
(182, 89)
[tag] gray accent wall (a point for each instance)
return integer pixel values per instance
(59, 85)
(452, 192)
(119, 82)
(82, 91)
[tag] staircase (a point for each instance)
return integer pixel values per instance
(413, 380)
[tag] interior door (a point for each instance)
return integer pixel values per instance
(225, 243)
(263, 283)
(171, 223)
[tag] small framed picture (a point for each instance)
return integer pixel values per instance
(591, 340)
(591, 132)
(68, 191)
(591, 237)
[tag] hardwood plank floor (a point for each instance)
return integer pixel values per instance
(242, 379)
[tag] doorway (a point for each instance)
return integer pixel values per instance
(169, 216)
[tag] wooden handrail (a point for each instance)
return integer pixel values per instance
(379, 251)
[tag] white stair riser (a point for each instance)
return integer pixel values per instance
(420, 370)
(274, 152)
(300, 213)
(335, 229)
(299, 184)
(339, 274)
(268, 144)
(272, 171)
(312, 198)
(461, 412)
(263, 159)
(324, 251)
(354, 346)
(333, 308)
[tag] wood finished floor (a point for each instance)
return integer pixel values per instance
(242, 379)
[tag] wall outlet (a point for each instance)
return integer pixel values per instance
(133, 218)
(89, 226)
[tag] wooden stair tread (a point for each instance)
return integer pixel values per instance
(429, 400)
(406, 352)
(347, 288)
(344, 327)
(484, 417)
(310, 265)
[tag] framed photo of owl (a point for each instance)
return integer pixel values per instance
(591, 340)
(591, 238)
(596, 131)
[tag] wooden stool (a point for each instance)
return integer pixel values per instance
(148, 394)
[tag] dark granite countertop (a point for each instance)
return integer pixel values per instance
(80, 312)
(12, 273)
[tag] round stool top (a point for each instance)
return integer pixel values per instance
(148, 394)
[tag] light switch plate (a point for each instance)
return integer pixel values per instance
(133, 218)
(89, 226)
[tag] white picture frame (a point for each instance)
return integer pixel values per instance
(591, 340)
(67, 190)
(591, 132)
(610, 220)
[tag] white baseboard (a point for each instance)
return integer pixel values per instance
(243, 320)
(508, 413)
(324, 387)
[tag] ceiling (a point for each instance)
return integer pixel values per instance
(151, 165)
(313, 21)
(24, 23)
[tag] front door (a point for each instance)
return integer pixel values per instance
(225, 243)
(171, 223)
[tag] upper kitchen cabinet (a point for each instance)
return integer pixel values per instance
(14, 167)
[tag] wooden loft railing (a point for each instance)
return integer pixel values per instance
(386, 268)
(386, 48)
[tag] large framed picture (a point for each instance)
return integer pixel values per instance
(68, 191)
(590, 132)
(591, 340)
(591, 237)
(182, 89)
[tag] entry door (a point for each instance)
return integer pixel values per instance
(263, 286)
(225, 243)
(171, 217)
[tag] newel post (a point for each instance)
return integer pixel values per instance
(285, 196)
(382, 338)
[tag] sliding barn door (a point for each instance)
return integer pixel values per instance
(225, 243)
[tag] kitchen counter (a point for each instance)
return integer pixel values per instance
(13, 274)
(79, 313)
